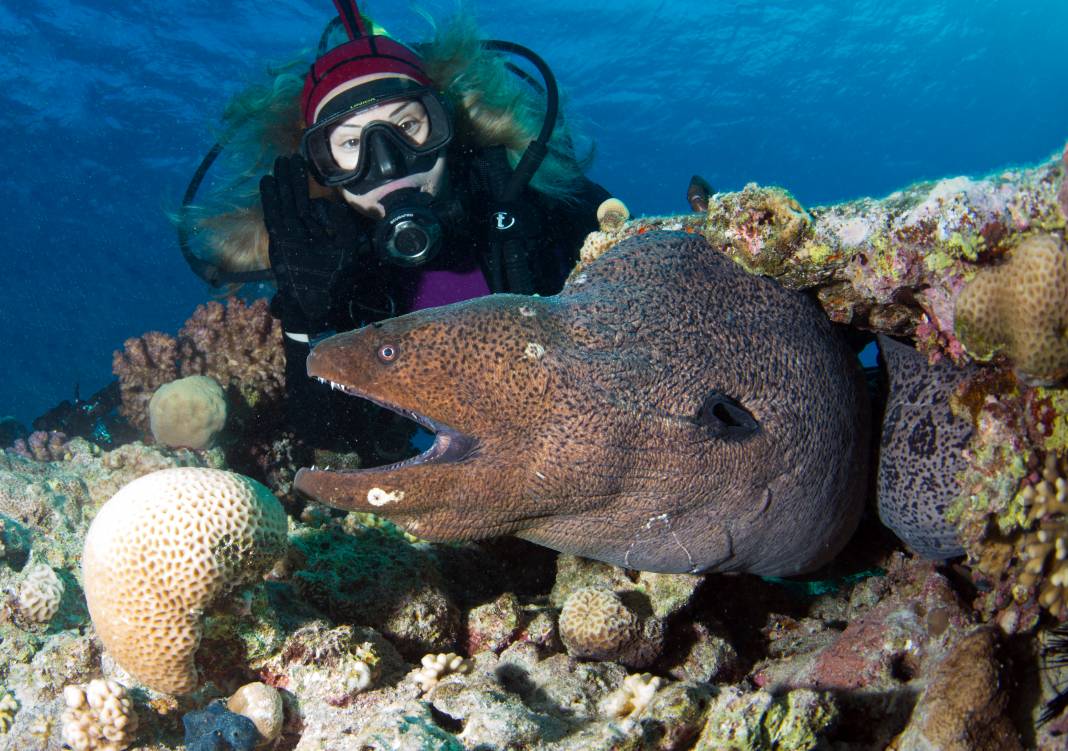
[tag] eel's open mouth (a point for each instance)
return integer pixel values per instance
(450, 445)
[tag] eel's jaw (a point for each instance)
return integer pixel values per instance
(346, 488)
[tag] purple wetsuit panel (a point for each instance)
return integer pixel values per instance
(443, 287)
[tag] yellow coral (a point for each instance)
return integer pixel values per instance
(1019, 309)
(162, 551)
(1044, 551)
(8, 708)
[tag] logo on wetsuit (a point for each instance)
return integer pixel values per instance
(505, 220)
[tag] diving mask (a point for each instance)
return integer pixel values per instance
(375, 133)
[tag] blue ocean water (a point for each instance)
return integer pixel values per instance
(107, 107)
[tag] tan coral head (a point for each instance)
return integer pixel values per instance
(161, 551)
(1019, 309)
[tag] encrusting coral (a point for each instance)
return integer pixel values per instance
(98, 717)
(238, 345)
(40, 593)
(188, 412)
(1018, 308)
(161, 551)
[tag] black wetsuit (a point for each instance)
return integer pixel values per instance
(375, 289)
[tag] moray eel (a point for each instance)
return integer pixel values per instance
(921, 449)
(667, 411)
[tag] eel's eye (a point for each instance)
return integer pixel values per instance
(387, 353)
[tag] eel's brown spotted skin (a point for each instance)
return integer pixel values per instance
(667, 411)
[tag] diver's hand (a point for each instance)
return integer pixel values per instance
(312, 243)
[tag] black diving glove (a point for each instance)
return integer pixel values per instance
(312, 242)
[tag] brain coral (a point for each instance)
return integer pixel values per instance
(161, 551)
(1019, 309)
(595, 623)
(187, 413)
(40, 593)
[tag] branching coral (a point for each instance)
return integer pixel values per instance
(630, 699)
(143, 365)
(238, 345)
(1044, 548)
(437, 666)
(99, 717)
(42, 446)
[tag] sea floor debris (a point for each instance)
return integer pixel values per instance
(373, 639)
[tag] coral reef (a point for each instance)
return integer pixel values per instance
(238, 345)
(161, 551)
(630, 699)
(880, 648)
(895, 265)
(187, 413)
(1017, 308)
(99, 717)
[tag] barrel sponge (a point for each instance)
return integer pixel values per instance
(1018, 309)
(187, 413)
(161, 551)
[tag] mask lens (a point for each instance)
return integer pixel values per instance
(415, 123)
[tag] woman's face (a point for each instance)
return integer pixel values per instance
(410, 119)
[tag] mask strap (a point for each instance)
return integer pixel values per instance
(350, 16)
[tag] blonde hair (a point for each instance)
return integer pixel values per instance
(493, 106)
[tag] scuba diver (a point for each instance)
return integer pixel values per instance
(416, 177)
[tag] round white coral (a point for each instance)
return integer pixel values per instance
(40, 593)
(99, 717)
(161, 551)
